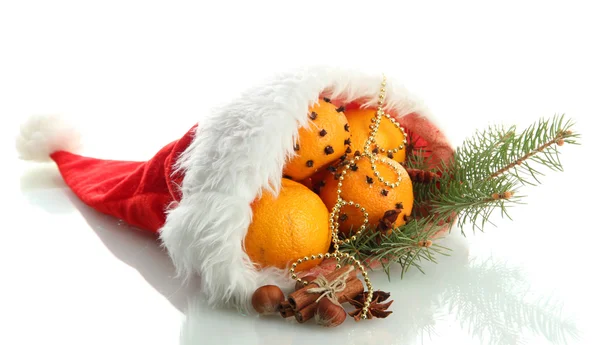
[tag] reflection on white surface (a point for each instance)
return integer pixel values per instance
(488, 301)
(137, 248)
(478, 301)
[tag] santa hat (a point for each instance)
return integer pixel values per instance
(196, 192)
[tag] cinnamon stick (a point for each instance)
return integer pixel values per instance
(300, 285)
(285, 309)
(284, 305)
(301, 298)
(285, 313)
(306, 313)
(354, 287)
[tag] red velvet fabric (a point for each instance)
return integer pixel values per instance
(137, 192)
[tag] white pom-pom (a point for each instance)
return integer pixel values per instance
(42, 135)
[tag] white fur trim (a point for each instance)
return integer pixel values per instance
(42, 135)
(238, 152)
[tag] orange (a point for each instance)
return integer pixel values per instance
(388, 136)
(289, 227)
(317, 180)
(361, 186)
(326, 139)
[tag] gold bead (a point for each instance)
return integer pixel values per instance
(292, 270)
(305, 283)
(367, 280)
(320, 256)
(299, 280)
(353, 238)
(327, 255)
(294, 276)
(339, 191)
(364, 316)
(312, 257)
(338, 266)
(305, 258)
(299, 261)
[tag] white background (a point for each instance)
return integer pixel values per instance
(138, 74)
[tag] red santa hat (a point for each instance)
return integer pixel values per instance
(196, 192)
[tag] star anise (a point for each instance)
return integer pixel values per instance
(376, 308)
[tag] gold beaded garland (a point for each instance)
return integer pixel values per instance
(334, 216)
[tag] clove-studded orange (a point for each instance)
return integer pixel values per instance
(325, 140)
(362, 186)
(287, 227)
(388, 137)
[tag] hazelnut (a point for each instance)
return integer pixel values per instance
(266, 299)
(329, 314)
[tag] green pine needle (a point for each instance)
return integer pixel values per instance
(483, 178)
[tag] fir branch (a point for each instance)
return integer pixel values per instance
(409, 246)
(484, 176)
(494, 162)
(539, 138)
(418, 159)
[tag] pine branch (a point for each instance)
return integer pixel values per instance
(537, 143)
(494, 162)
(483, 177)
(409, 246)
